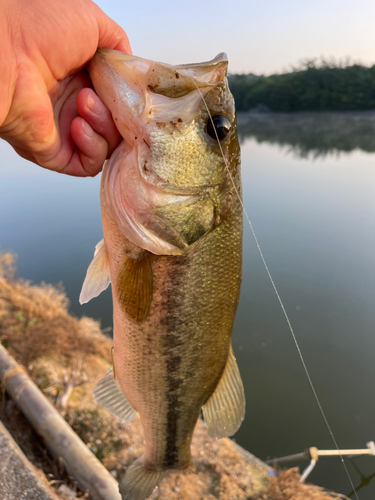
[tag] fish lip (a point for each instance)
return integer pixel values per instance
(114, 54)
(111, 57)
(220, 58)
(99, 54)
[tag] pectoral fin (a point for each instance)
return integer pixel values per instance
(97, 276)
(225, 410)
(134, 286)
(109, 395)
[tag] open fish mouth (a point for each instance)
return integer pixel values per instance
(168, 160)
(150, 100)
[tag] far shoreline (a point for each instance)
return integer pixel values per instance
(305, 133)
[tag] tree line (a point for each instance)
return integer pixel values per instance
(311, 87)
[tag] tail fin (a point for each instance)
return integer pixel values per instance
(138, 482)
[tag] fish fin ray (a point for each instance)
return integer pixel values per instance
(138, 483)
(109, 395)
(225, 409)
(97, 276)
(134, 287)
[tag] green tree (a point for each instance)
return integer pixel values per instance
(312, 87)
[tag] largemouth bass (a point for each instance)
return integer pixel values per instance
(172, 225)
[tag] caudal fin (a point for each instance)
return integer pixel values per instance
(138, 482)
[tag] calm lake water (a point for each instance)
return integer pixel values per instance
(309, 189)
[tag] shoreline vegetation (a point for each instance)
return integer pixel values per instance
(313, 86)
(65, 357)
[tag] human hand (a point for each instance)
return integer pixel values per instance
(48, 112)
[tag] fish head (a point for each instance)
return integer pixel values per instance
(172, 178)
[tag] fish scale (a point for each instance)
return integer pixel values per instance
(173, 251)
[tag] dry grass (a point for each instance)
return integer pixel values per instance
(35, 323)
(286, 486)
(38, 331)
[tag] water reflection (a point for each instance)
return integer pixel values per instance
(365, 480)
(314, 222)
(313, 135)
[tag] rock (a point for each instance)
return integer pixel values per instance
(19, 479)
(66, 492)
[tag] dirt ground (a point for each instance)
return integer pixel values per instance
(60, 351)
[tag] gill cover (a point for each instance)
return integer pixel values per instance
(143, 95)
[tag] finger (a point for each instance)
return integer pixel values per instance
(79, 150)
(79, 166)
(25, 154)
(57, 154)
(98, 116)
(92, 148)
(86, 158)
(111, 35)
(123, 45)
(74, 167)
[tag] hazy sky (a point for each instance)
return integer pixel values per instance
(258, 36)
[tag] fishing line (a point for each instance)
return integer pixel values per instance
(279, 299)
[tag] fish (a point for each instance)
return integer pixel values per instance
(172, 251)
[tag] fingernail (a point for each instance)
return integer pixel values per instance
(94, 105)
(87, 130)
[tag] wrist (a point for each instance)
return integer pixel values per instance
(8, 61)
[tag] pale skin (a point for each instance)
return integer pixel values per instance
(48, 111)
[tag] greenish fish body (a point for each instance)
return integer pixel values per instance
(172, 225)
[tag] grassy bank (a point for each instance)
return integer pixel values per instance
(312, 87)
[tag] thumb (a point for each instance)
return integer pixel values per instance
(111, 35)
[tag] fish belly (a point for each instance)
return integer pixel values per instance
(169, 364)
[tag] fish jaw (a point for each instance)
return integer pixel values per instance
(118, 90)
(159, 112)
(125, 83)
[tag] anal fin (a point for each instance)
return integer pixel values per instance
(109, 395)
(225, 409)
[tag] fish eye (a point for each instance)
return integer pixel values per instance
(221, 124)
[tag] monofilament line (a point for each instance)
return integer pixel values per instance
(280, 301)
